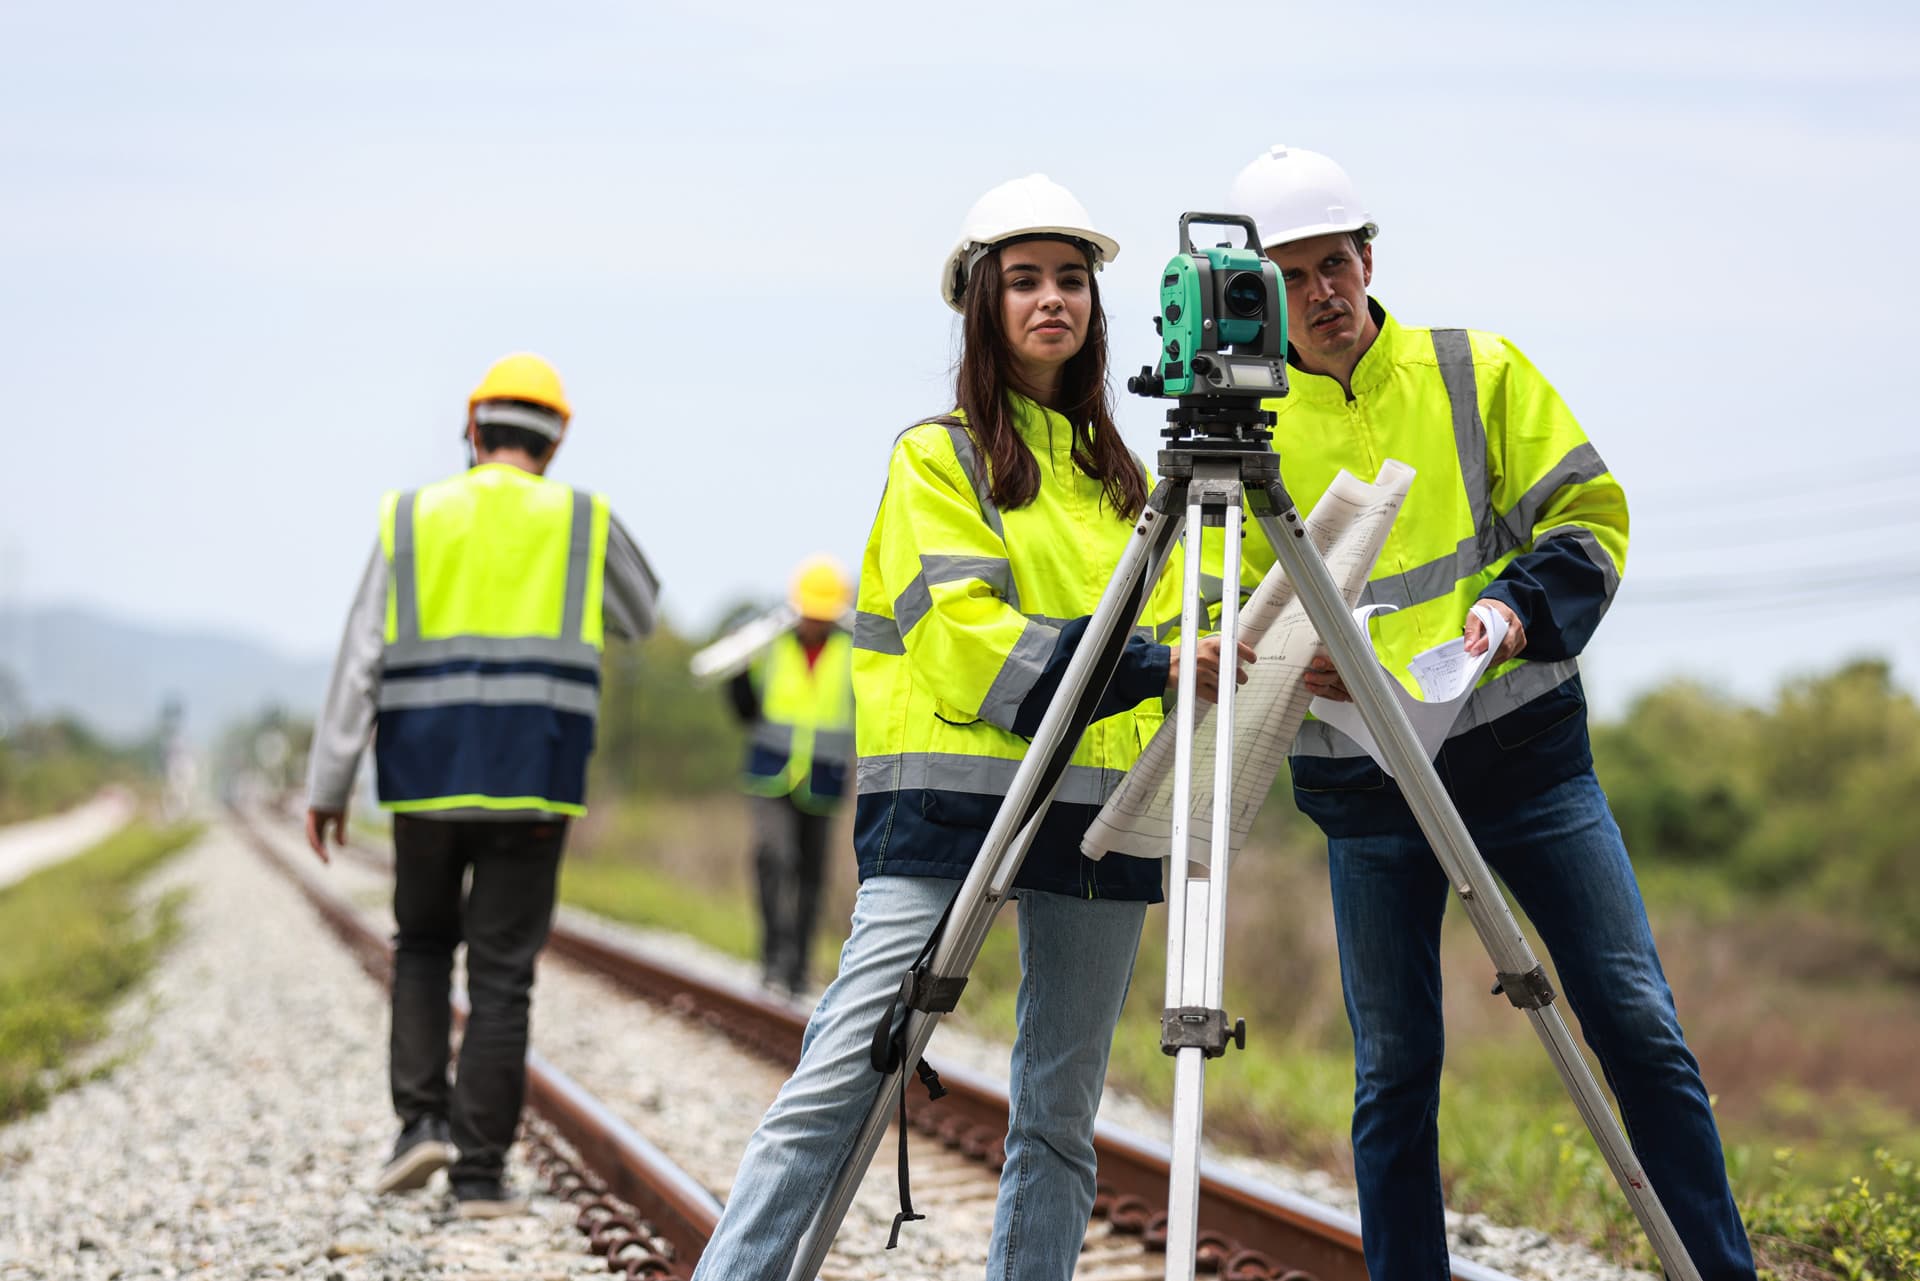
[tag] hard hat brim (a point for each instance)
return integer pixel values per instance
(953, 276)
(1292, 234)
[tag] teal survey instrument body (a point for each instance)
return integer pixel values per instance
(1222, 320)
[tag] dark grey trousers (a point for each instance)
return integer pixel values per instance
(503, 917)
(789, 860)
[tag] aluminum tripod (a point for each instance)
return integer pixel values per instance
(1218, 465)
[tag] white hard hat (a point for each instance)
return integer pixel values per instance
(1293, 194)
(1031, 206)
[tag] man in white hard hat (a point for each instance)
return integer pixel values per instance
(1511, 509)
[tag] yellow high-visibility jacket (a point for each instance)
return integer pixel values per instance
(1511, 502)
(967, 617)
(490, 679)
(801, 745)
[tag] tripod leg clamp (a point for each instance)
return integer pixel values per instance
(1529, 991)
(1195, 1027)
(922, 991)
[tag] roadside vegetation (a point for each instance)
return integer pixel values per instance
(76, 940)
(1779, 849)
(52, 765)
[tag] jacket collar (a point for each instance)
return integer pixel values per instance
(1375, 366)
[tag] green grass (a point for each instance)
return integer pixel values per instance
(75, 942)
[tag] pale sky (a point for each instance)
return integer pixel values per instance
(256, 255)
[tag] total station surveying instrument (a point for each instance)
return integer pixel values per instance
(1223, 330)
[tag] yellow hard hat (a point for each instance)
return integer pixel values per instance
(821, 589)
(523, 376)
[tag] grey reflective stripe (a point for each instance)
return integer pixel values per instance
(1488, 703)
(1430, 581)
(489, 689)
(977, 475)
(877, 634)
(1515, 529)
(981, 775)
(773, 736)
(1589, 543)
(507, 414)
(579, 555)
(1016, 677)
(1507, 533)
(493, 649)
(406, 600)
(914, 602)
(833, 744)
(1210, 589)
(1454, 350)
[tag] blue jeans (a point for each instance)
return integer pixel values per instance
(1076, 958)
(1561, 855)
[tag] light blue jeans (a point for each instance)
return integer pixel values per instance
(1076, 959)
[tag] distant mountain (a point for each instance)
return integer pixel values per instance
(117, 675)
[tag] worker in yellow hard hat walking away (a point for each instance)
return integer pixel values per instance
(472, 654)
(797, 699)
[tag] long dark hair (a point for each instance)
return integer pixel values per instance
(983, 386)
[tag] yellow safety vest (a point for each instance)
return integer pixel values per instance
(490, 682)
(1502, 467)
(802, 745)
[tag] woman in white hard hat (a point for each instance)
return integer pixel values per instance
(1000, 526)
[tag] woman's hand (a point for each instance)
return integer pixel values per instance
(1206, 669)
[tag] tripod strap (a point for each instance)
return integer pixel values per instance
(918, 991)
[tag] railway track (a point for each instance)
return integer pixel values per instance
(652, 1219)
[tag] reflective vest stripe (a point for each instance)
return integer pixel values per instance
(1499, 537)
(1025, 661)
(983, 494)
(490, 689)
(915, 601)
(558, 650)
(980, 775)
(877, 634)
(1454, 351)
(406, 598)
(573, 615)
(772, 736)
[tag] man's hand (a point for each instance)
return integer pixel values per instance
(317, 821)
(1476, 633)
(1206, 670)
(1323, 681)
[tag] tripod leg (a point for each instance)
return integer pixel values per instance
(1521, 975)
(1194, 1024)
(991, 877)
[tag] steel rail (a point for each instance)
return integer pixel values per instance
(676, 1214)
(1249, 1230)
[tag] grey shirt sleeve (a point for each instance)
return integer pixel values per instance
(628, 601)
(346, 718)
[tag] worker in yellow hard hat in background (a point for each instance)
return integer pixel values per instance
(472, 654)
(797, 697)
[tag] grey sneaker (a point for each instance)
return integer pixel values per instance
(422, 1149)
(487, 1198)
